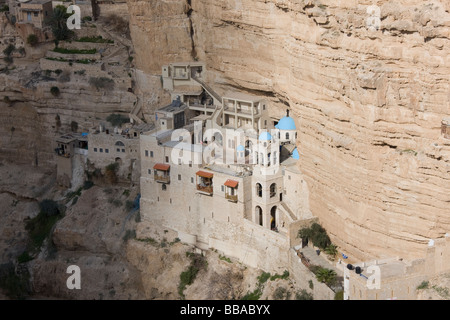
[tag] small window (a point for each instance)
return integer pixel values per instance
(118, 149)
(264, 107)
(192, 179)
(95, 149)
(106, 150)
(287, 135)
(149, 171)
(163, 187)
(179, 177)
(36, 14)
(179, 161)
(167, 158)
(222, 188)
(101, 149)
(123, 150)
(190, 164)
(151, 154)
(146, 153)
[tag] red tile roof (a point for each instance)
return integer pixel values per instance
(231, 183)
(161, 166)
(204, 174)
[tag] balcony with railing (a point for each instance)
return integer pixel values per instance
(161, 173)
(231, 197)
(205, 182)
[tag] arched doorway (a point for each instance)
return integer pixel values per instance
(259, 215)
(273, 219)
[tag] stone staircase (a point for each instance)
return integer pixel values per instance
(208, 89)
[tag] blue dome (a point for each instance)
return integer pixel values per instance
(286, 123)
(240, 148)
(295, 155)
(265, 136)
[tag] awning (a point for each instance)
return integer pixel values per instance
(204, 174)
(161, 166)
(231, 183)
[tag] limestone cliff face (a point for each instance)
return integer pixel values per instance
(368, 103)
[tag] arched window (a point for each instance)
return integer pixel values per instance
(259, 215)
(119, 143)
(287, 135)
(259, 190)
(273, 190)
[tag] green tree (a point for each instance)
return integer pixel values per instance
(32, 40)
(58, 23)
(317, 234)
(326, 276)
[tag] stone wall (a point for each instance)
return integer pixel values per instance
(301, 274)
(104, 151)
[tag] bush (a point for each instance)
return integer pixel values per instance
(87, 184)
(129, 205)
(39, 227)
(117, 120)
(58, 23)
(326, 276)
(54, 91)
(303, 295)
(75, 51)
(74, 126)
(423, 285)
(317, 234)
(187, 277)
(8, 59)
(97, 39)
(9, 49)
(24, 257)
(339, 295)
(281, 293)
(32, 40)
(16, 286)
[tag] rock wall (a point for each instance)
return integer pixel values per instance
(368, 88)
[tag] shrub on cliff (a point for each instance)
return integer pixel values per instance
(32, 40)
